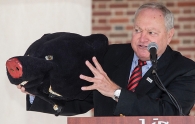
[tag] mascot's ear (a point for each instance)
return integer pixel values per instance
(99, 43)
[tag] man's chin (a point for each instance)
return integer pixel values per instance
(143, 57)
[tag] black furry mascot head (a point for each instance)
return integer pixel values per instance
(51, 66)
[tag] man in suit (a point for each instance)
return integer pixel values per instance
(112, 94)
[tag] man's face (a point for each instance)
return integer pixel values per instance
(149, 26)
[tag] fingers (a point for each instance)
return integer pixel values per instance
(91, 67)
(22, 89)
(97, 64)
(19, 86)
(88, 88)
(97, 72)
(89, 79)
(97, 69)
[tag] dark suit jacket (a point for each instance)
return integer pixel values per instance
(175, 71)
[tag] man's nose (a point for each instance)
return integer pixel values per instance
(143, 36)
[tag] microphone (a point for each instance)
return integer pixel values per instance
(152, 48)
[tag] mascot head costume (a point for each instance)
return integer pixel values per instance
(51, 66)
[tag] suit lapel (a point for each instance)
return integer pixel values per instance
(121, 75)
(144, 85)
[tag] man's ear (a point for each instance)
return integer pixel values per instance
(170, 35)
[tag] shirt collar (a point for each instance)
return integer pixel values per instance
(135, 61)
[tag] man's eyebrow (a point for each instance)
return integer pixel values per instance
(136, 26)
(150, 29)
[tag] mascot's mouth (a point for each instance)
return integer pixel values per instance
(50, 90)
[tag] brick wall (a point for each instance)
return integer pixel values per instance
(114, 18)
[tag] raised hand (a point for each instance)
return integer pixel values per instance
(101, 81)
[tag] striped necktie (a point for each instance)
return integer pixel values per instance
(136, 76)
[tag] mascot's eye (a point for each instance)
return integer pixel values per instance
(49, 57)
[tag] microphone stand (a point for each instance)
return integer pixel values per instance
(162, 87)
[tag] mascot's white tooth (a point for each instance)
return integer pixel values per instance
(24, 82)
(52, 92)
(49, 57)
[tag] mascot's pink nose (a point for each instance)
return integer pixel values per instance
(14, 67)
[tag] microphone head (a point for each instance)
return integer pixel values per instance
(152, 45)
